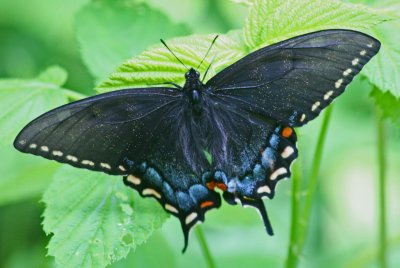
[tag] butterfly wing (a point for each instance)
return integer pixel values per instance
(279, 87)
(291, 82)
(138, 133)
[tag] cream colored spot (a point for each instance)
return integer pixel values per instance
(370, 45)
(121, 168)
(363, 52)
(44, 148)
(191, 217)
(57, 153)
(22, 142)
(133, 179)
(72, 158)
(278, 172)
(338, 83)
(288, 151)
(303, 117)
(171, 208)
(105, 165)
(152, 192)
(355, 61)
(87, 162)
(33, 146)
(328, 95)
(315, 106)
(264, 189)
(347, 72)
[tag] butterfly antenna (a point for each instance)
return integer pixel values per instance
(208, 51)
(208, 68)
(162, 41)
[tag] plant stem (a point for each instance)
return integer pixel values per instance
(204, 247)
(73, 95)
(382, 185)
(293, 250)
(313, 180)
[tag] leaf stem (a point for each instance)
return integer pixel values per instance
(204, 247)
(313, 180)
(293, 250)
(73, 95)
(382, 185)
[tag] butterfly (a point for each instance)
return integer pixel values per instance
(235, 133)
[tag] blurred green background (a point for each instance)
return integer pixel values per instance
(344, 226)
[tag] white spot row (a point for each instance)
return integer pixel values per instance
(264, 189)
(277, 173)
(287, 152)
(72, 158)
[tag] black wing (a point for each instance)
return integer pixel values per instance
(264, 95)
(292, 81)
(140, 133)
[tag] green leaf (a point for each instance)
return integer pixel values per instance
(23, 100)
(23, 176)
(54, 75)
(110, 32)
(384, 70)
(157, 65)
(95, 219)
(388, 104)
(270, 21)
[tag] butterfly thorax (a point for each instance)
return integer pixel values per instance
(193, 88)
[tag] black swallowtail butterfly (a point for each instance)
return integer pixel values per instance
(235, 133)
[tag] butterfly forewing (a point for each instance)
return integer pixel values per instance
(292, 81)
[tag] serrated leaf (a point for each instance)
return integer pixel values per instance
(388, 104)
(157, 65)
(270, 21)
(23, 100)
(95, 219)
(23, 176)
(243, 2)
(384, 70)
(54, 75)
(110, 32)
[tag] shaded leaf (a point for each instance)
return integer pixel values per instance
(95, 219)
(388, 104)
(54, 75)
(110, 32)
(23, 100)
(157, 65)
(270, 21)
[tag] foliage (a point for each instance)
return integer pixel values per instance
(93, 219)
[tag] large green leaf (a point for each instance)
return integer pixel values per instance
(23, 100)
(111, 31)
(23, 176)
(384, 70)
(270, 21)
(95, 219)
(157, 65)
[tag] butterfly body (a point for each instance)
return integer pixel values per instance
(234, 133)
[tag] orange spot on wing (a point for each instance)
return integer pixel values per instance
(221, 186)
(211, 185)
(287, 132)
(206, 204)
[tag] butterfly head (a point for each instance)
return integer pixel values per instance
(192, 75)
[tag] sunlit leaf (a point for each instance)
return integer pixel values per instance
(270, 21)
(23, 100)
(110, 32)
(157, 65)
(23, 176)
(95, 219)
(384, 70)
